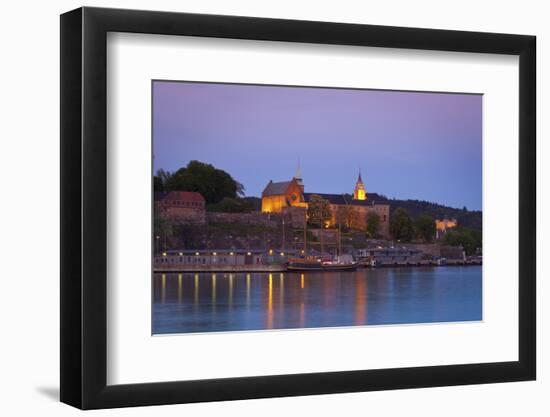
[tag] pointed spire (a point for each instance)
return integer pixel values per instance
(359, 192)
(298, 175)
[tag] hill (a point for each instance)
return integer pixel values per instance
(465, 218)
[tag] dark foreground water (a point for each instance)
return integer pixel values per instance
(207, 302)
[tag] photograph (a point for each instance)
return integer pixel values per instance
(294, 207)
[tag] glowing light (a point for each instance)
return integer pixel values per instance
(282, 254)
(302, 280)
(231, 253)
(271, 251)
(248, 253)
(196, 254)
(163, 253)
(214, 253)
(181, 254)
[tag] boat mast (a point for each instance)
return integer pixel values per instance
(322, 246)
(339, 239)
(283, 245)
(305, 235)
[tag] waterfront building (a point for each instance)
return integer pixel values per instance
(209, 257)
(221, 260)
(180, 206)
(351, 211)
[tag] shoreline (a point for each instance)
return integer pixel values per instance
(282, 268)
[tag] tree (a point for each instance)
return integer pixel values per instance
(214, 184)
(348, 216)
(469, 239)
(425, 227)
(318, 211)
(232, 205)
(373, 224)
(158, 185)
(401, 225)
(163, 229)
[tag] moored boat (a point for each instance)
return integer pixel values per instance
(317, 264)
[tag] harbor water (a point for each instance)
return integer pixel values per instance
(220, 302)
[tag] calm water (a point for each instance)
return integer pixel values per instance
(207, 302)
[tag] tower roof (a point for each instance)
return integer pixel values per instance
(359, 179)
(276, 188)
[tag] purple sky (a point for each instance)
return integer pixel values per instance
(423, 146)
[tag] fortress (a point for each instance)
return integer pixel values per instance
(351, 211)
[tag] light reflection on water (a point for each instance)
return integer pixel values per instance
(209, 302)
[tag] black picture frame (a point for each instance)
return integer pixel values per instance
(84, 207)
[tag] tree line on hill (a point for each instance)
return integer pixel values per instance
(404, 228)
(464, 217)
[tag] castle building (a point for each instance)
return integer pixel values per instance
(443, 226)
(349, 210)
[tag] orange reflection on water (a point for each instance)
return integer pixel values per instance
(163, 289)
(248, 291)
(196, 292)
(270, 302)
(281, 289)
(302, 281)
(360, 300)
(180, 288)
(230, 290)
(281, 295)
(214, 292)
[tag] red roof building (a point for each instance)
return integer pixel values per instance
(180, 206)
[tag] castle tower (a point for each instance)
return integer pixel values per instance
(359, 193)
(298, 176)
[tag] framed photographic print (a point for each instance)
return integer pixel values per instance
(258, 207)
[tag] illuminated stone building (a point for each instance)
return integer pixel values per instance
(359, 192)
(351, 211)
(443, 226)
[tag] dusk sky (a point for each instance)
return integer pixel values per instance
(425, 146)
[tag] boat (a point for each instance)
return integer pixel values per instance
(320, 263)
(312, 263)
